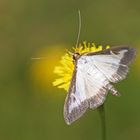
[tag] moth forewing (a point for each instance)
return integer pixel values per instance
(126, 59)
(75, 106)
(113, 62)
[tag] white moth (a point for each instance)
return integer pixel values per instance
(93, 77)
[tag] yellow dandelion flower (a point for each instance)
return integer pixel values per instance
(66, 68)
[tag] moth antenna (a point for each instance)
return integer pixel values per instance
(38, 58)
(79, 29)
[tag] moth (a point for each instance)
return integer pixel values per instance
(93, 77)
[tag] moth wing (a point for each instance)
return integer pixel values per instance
(113, 63)
(91, 80)
(87, 90)
(96, 85)
(75, 103)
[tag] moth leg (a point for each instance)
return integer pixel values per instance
(113, 90)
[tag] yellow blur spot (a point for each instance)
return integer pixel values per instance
(43, 64)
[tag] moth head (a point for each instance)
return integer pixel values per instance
(75, 56)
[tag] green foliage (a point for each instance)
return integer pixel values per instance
(26, 26)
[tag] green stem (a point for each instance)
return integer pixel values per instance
(103, 123)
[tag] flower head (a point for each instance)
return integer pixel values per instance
(66, 68)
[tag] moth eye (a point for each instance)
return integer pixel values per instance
(73, 57)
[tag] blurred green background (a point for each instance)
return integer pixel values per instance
(30, 108)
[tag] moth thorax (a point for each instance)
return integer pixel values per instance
(76, 56)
